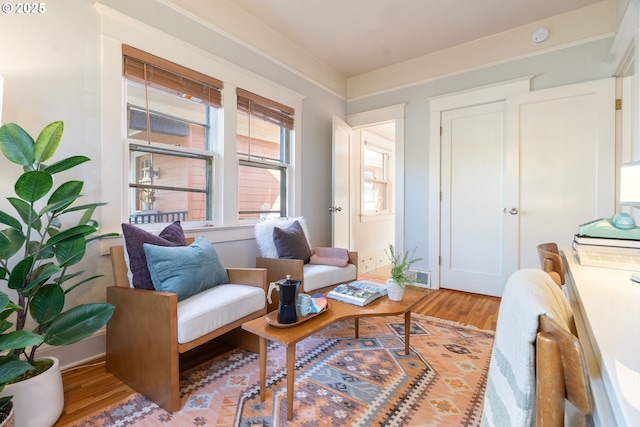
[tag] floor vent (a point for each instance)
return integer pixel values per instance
(422, 278)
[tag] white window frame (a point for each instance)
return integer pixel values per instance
(384, 179)
(225, 226)
(387, 149)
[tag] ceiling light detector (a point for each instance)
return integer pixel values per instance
(539, 36)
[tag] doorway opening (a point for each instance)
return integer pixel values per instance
(374, 208)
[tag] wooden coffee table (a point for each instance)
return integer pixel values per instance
(289, 336)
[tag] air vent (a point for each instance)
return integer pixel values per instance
(422, 278)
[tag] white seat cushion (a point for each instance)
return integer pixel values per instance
(318, 276)
(216, 307)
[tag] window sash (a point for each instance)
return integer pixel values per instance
(282, 169)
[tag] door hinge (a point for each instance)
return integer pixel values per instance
(439, 260)
(440, 130)
(618, 104)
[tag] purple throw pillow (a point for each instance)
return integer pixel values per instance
(135, 238)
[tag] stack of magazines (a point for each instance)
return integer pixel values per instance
(360, 292)
(623, 254)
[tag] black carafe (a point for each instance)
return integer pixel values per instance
(288, 296)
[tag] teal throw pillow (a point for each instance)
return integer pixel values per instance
(185, 270)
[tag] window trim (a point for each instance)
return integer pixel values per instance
(117, 30)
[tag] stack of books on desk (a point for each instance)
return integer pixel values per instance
(623, 254)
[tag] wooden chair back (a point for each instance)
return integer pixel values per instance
(551, 262)
(560, 374)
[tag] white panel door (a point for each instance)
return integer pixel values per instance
(560, 165)
(341, 190)
(472, 185)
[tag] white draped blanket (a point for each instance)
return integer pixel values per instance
(510, 395)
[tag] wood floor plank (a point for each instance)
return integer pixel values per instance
(90, 387)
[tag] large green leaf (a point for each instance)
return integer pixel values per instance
(11, 367)
(40, 251)
(48, 141)
(66, 194)
(66, 164)
(20, 273)
(5, 218)
(47, 303)
(63, 278)
(33, 185)
(40, 275)
(4, 300)
(19, 339)
(5, 325)
(56, 207)
(71, 252)
(91, 206)
(5, 243)
(26, 212)
(16, 239)
(16, 144)
(78, 323)
(71, 233)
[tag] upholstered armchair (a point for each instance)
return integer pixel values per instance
(183, 299)
(285, 250)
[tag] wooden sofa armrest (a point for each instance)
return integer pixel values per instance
(279, 268)
(142, 342)
(119, 267)
(353, 259)
(249, 276)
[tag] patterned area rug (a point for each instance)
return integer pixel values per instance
(340, 380)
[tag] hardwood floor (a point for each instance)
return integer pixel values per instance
(90, 387)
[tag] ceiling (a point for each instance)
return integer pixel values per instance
(358, 36)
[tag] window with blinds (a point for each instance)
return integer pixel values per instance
(263, 147)
(172, 117)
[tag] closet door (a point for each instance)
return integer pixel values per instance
(560, 165)
(472, 201)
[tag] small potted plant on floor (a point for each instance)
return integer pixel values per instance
(400, 274)
(39, 248)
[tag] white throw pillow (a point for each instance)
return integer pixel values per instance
(264, 234)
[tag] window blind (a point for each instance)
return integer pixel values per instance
(151, 70)
(266, 109)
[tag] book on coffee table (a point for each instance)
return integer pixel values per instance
(360, 292)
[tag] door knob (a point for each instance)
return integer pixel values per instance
(335, 209)
(513, 211)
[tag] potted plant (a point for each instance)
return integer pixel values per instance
(38, 250)
(400, 275)
(11, 366)
(147, 197)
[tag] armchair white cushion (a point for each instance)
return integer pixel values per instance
(314, 277)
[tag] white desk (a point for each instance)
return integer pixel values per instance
(606, 305)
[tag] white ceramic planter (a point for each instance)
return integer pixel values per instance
(38, 401)
(394, 290)
(10, 420)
